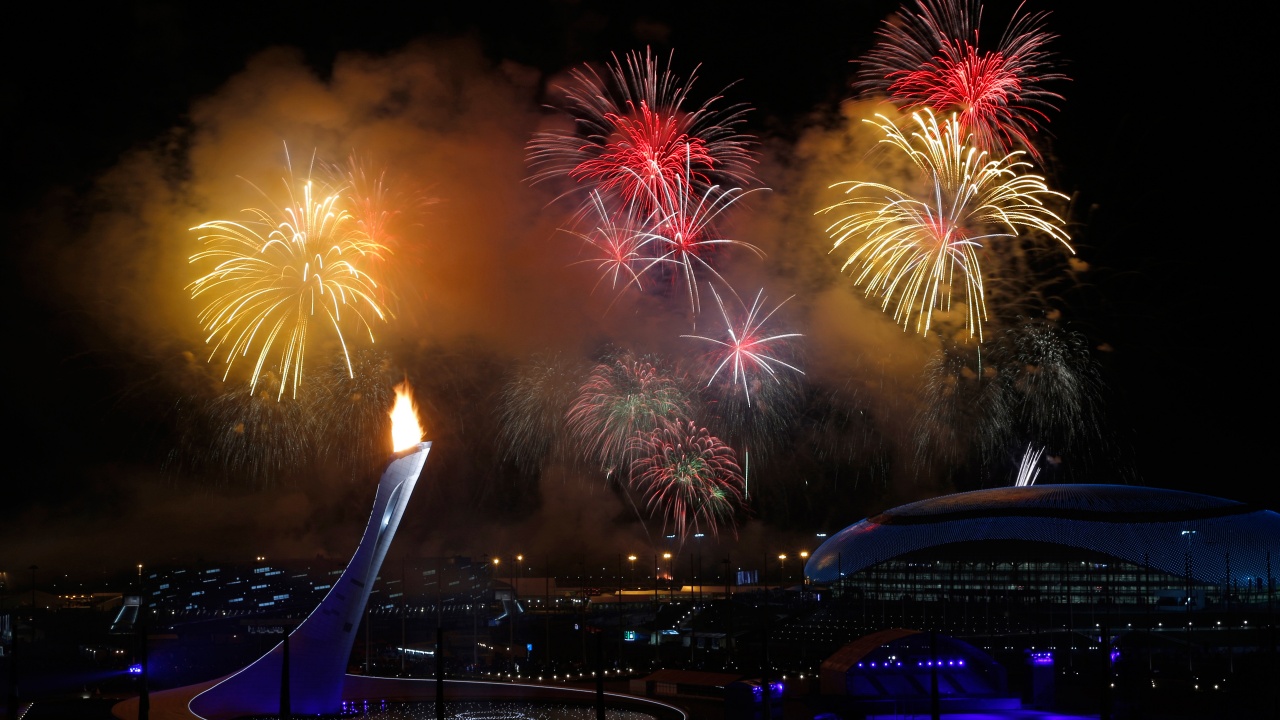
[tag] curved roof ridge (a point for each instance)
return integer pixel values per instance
(1153, 527)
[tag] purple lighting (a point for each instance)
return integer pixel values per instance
(1041, 657)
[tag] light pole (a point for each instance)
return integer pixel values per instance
(657, 605)
(671, 593)
(782, 568)
(515, 595)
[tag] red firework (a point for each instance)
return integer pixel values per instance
(932, 59)
(617, 245)
(684, 235)
(645, 157)
(747, 351)
(688, 477)
(631, 134)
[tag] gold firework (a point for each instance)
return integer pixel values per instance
(914, 250)
(275, 273)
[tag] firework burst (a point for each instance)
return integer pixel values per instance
(533, 406)
(617, 244)
(688, 477)
(1056, 382)
(750, 355)
(278, 271)
(965, 414)
(632, 136)
(622, 397)
(243, 437)
(931, 58)
(355, 396)
(912, 252)
(1037, 383)
(750, 363)
(684, 238)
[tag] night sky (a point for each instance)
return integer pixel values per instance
(127, 124)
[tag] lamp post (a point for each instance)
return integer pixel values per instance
(804, 579)
(671, 593)
(515, 594)
(782, 568)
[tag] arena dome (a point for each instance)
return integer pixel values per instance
(1211, 539)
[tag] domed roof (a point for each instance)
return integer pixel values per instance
(1127, 503)
(1141, 525)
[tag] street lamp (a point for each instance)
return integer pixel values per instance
(782, 568)
(632, 559)
(671, 593)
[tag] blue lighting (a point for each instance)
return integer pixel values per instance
(135, 669)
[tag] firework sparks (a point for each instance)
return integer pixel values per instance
(747, 349)
(689, 478)
(1056, 382)
(632, 137)
(931, 58)
(1028, 469)
(273, 274)
(240, 436)
(1037, 383)
(617, 243)
(913, 251)
(965, 412)
(685, 238)
(620, 398)
(533, 406)
(353, 404)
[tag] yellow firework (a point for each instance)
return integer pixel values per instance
(914, 250)
(275, 273)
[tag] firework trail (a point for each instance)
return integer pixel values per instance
(684, 238)
(632, 136)
(932, 59)
(533, 405)
(1027, 469)
(621, 397)
(277, 271)
(912, 252)
(688, 477)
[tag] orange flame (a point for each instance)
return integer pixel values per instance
(406, 431)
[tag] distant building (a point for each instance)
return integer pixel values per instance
(1021, 548)
(177, 593)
